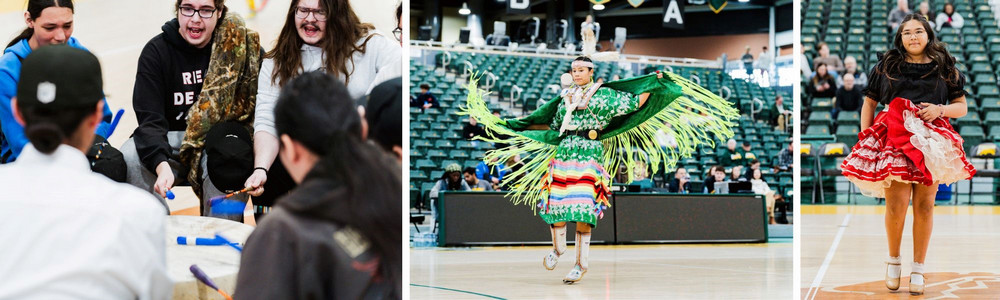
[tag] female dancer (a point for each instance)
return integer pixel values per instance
(910, 147)
(588, 134)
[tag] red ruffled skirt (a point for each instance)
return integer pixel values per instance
(899, 146)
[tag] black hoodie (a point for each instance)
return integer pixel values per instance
(167, 82)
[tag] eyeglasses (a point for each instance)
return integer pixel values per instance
(204, 13)
(302, 13)
(398, 32)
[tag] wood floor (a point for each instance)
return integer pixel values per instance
(844, 250)
(701, 271)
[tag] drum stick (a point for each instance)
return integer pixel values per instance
(201, 276)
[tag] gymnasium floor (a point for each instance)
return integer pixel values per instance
(117, 30)
(698, 271)
(844, 251)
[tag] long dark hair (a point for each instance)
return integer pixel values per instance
(35, 8)
(315, 109)
(342, 32)
(48, 128)
(935, 50)
(816, 79)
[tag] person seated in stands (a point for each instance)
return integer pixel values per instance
(747, 154)
(754, 166)
(715, 174)
(824, 57)
(948, 18)
(730, 157)
(851, 67)
(475, 183)
(491, 174)
(849, 97)
(924, 9)
(760, 187)
(425, 99)
(786, 158)
(736, 174)
(781, 114)
(472, 130)
(450, 181)
(823, 85)
(897, 14)
(681, 182)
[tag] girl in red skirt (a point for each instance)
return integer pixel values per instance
(910, 148)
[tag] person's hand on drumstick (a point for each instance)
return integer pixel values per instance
(256, 181)
(164, 179)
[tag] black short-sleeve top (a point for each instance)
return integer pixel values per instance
(912, 84)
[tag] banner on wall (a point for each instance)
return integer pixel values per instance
(673, 14)
(636, 3)
(518, 7)
(717, 5)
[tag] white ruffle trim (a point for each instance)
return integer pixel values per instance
(941, 156)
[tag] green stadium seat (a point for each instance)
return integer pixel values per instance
(821, 118)
(849, 118)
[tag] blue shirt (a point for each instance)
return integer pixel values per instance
(12, 139)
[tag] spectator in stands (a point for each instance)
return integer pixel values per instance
(398, 32)
(40, 16)
(715, 174)
(747, 154)
(492, 174)
(897, 14)
(69, 233)
(833, 63)
(475, 183)
(924, 9)
(764, 61)
(748, 61)
(782, 115)
(425, 99)
(337, 234)
(948, 18)
(848, 97)
(760, 187)
(472, 129)
(736, 174)
(730, 157)
(681, 182)
(450, 181)
(822, 85)
(851, 67)
(754, 166)
(786, 158)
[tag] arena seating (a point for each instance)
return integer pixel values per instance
(435, 134)
(860, 29)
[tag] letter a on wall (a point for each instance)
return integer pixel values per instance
(673, 14)
(717, 5)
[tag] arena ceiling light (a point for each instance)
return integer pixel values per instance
(465, 9)
(598, 6)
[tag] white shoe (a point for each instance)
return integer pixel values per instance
(892, 280)
(576, 274)
(550, 260)
(916, 283)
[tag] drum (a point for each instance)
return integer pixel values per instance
(221, 263)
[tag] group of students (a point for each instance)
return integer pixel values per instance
(214, 110)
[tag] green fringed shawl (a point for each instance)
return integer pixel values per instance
(695, 117)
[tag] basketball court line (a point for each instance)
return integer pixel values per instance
(829, 258)
(456, 290)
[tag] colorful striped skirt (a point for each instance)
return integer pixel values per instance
(578, 186)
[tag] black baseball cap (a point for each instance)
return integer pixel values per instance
(230, 155)
(60, 77)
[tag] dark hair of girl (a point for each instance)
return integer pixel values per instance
(315, 109)
(935, 50)
(35, 8)
(818, 77)
(584, 58)
(47, 128)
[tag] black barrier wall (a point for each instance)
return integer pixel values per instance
(477, 218)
